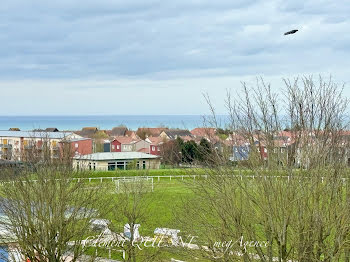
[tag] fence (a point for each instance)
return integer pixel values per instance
(181, 177)
(194, 177)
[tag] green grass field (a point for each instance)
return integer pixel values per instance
(166, 199)
(166, 202)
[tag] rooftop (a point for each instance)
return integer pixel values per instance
(117, 131)
(125, 139)
(155, 140)
(204, 131)
(151, 131)
(174, 133)
(31, 134)
(116, 156)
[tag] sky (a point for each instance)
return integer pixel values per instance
(74, 57)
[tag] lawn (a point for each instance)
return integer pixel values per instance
(166, 199)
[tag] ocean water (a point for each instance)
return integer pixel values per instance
(102, 121)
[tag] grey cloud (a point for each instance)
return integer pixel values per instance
(50, 39)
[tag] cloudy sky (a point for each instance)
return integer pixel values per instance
(158, 56)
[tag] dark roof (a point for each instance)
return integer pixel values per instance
(49, 129)
(174, 133)
(88, 131)
(151, 131)
(118, 131)
(52, 129)
(14, 129)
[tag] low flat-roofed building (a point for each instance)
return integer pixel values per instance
(116, 160)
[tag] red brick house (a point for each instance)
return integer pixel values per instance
(156, 145)
(77, 146)
(116, 146)
(127, 144)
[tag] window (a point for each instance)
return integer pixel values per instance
(111, 166)
(125, 147)
(118, 147)
(143, 164)
(158, 148)
(76, 145)
(113, 147)
(153, 148)
(121, 165)
(94, 166)
(89, 165)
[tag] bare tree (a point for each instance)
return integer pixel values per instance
(292, 191)
(132, 207)
(48, 213)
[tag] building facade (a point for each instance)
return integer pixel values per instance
(16, 145)
(109, 161)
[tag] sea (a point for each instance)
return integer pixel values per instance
(26, 123)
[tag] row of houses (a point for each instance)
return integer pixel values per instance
(150, 145)
(145, 145)
(120, 145)
(90, 145)
(296, 148)
(17, 145)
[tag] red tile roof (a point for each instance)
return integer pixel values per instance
(125, 139)
(204, 132)
(155, 140)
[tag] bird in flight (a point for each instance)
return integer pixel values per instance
(291, 32)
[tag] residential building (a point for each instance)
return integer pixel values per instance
(52, 129)
(206, 132)
(142, 146)
(87, 132)
(116, 146)
(49, 129)
(77, 146)
(116, 160)
(155, 145)
(117, 131)
(14, 145)
(240, 153)
(14, 129)
(144, 132)
(171, 134)
(127, 144)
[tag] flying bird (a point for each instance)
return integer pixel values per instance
(291, 32)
